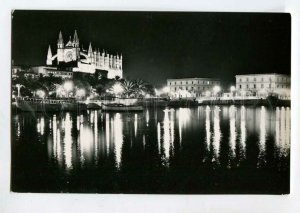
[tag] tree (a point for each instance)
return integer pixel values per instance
(129, 88)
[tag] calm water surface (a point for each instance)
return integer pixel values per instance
(185, 150)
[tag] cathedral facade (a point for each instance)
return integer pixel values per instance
(85, 61)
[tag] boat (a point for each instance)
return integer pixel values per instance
(43, 105)
(121, 107)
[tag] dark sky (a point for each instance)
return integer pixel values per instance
(161, 45)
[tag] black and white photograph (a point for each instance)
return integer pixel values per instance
(150, 102)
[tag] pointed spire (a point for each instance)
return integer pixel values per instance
(60, 38)
(75, 37)
(90, 48)
(49, 55)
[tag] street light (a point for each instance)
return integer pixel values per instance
(117, 89)
(80, 93)
(19, 87)
(68, 86)
(216, 89)
(207, 93)
(166, 89)
(232, 89)
(40, 93)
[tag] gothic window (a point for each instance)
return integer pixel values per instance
(240, 86)
(262, 86)
(247, 86)
(254, 86)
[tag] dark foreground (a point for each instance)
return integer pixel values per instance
(184, 151)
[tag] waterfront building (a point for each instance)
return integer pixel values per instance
(262, 85)
(65, 73)
(84, 61)
(191, 87)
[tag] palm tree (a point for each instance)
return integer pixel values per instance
(139, 87)
(129, 87)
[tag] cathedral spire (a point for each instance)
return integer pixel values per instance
(49, 56)
(75, 37)
(60, 38)
(90, 51)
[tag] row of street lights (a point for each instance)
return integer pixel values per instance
(216, 90)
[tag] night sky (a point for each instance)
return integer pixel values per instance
(161, 45)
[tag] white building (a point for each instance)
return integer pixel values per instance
(85, 61)
(262, 85)
(191, 87)
(47, 71)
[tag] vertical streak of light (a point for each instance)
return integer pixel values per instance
(217, 134)
(288, 128)
(18, 126)
(42, 125)
(118, 129)
(282, 131)
(107, 131)
(92, 117)
(166, 134)
(277, 128)
(68, 141)
(262, 135)
(172, 127)
(77, 122)
(180, 127)
(58, 149)
(147, 117)
(96, 135)
(207, 127)
(158, 137)
(135, 124)
(243, 132)
(38, 126)
(232, 140)
(54, 131)
(81, 141)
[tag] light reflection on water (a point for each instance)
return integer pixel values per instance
(88, 139)
(173, 128)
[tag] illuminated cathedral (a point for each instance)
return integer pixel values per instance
(84, 61)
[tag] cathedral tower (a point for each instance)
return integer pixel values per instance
(49, 56)
(60, 48)
(76, 49)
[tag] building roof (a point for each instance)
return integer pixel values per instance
(264, 74)
(178, 79)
